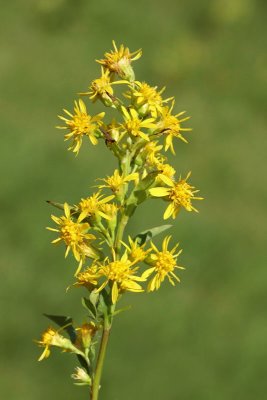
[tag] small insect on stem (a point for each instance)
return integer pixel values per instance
(108, 138)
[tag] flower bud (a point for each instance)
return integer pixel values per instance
(82, 376)
(125, 70)
(85, 334)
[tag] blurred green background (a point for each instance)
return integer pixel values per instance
(207, 338)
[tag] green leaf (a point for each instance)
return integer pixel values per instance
(144, 236)
(121, 310)
(140, 193)
(54, 204)
(91, 303)
(60, 206)
(64, 322)
(103, 303)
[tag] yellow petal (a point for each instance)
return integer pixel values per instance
(169, 211)
(148, 272)
(115, 292)
(166, 180)
(159, 191)
(67, 210)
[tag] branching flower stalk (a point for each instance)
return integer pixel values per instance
(107, 265)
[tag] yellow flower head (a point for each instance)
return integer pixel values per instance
(51, 337)
(119, 60)
(179, 194)
(150, 152)
(135, 252)
(101, 87)
(147, 99)
(170, 126)
(163, 265)
(116, 181)
(112, 131)
(91, 206)
(166, 170)
(134, 125)
(73, 234)
(81, 124)
(88, 277)
(110, 209)
(120, 276)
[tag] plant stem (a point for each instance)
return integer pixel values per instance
(122, 224)
(100, 361)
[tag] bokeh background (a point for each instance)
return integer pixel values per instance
(206, 338)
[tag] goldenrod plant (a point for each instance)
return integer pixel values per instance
(107, 265)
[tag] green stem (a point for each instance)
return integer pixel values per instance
(100, 361)
(122, 224)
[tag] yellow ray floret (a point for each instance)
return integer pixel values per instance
(166, 170)
(179, 194)
(147, 98)
(121, 277)
(135, 252)
(74, 234)
(88, 278)
(101, 88)
(134, 125)
(119, 59)
(116, 181)
(170, 126)
(81, 124)
(163, 265)
(150, 152)
(91, 206)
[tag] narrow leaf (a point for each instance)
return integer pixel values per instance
(144, 236)
(140, 194)
(60, 206)
(54, 204)
(90, 307)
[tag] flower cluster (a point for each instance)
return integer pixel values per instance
(142, 131)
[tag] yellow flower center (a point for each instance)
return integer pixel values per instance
(90, 205)
(182, 194)
(102, 85)
(117, 271)
(166, 170)
(115, 182)
(149, 94)
(133, 126)
(172, 124)
(89, 276)
(81, 124)
(165, 262)
(137, 253)
(71, 232)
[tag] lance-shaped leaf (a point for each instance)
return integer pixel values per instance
(140, 193)
(148, 234)
(60, 206)
(91, 303)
